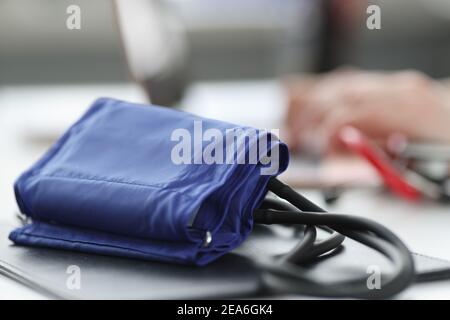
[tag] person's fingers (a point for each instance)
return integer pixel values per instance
(330, 126)
(314, 137)
(325, 96)
(294, 108)
(346, 114)
(298, 92)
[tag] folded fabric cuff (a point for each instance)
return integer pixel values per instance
(112, 184)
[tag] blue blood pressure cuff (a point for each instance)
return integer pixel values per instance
(148, 182)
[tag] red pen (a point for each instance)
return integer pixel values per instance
(357, 142)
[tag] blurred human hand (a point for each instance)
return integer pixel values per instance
(377, 103)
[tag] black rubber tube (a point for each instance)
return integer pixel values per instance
(284, 275)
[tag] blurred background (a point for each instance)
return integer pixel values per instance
(224, 59)
(215, 40)
(221, 59)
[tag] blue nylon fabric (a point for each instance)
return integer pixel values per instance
(109, 186)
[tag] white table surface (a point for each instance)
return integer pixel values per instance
(32, 117)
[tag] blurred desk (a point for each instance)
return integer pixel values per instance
(31, 118)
